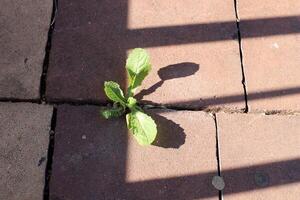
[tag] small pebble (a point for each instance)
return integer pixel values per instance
(218, 182)
(83, 137)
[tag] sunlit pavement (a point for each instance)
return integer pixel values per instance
(224, 85)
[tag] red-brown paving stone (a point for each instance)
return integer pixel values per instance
(91, 39)
(202, 65)
(272, 57)
(93, 159)
(24, 139)
(259, 156)
(23, 37)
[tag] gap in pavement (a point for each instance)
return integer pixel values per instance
(50, 154)
(218, 152)
(241, 53)
(151, 106)
(47, 52)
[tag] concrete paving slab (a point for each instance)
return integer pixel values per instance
(24, 139)
(271, 49)
(23, 38)
(259, 156)
(87, 49)
(97, 159)
(195, 56)
(201, 68)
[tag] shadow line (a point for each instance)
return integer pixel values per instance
(206, 102)
(211, 32)
(237, 180)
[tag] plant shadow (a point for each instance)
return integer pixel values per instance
(170, 134)
(169, 72)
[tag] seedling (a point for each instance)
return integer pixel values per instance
(141, 125)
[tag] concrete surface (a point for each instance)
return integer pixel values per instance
(271, 58)
(23, 38)
(260, 156)
(24, 138)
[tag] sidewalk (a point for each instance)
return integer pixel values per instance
(224, 83)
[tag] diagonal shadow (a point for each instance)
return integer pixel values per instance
(211, 32)
(237, 180)
(214, 101)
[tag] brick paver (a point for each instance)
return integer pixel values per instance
(24, 138)
(23, 37)
(91, 39)
(260, 156)
(271, 58)
(93, 159)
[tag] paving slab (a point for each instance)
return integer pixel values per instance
(197, 63)
(23, 38)
(271, 49)
(24, 139)
(87, 49)
(259, 156)
(98, 159)
(195, 56)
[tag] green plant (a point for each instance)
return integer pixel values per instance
(141, 125)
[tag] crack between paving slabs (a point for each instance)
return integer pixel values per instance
(47, 53)
(241, 53)
(218, 152)
(148, 106)
(50, 155)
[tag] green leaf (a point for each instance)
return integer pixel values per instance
(142, 126)
(114, 92)
(113, 112)
(138, 66)
(131, 102)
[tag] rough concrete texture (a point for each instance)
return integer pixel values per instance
(271, 48)
(23, 36)
(97, 159)
(260, 156)
(24, 138)
(195, 57)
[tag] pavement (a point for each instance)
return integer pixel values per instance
(224, 91)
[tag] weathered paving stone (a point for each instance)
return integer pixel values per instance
(24, 138)
(23, 37)
(195, 57)
(271, 49)
(97, 159)
(259, 156)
